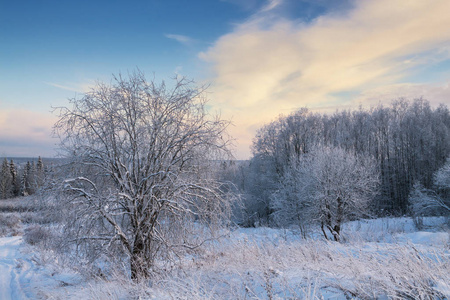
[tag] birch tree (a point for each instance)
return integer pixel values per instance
(140, 171)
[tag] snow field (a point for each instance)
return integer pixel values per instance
(260, 264)
(394, 262)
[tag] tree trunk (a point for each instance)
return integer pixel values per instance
(336, 231)
(139, 263)
(323, 231)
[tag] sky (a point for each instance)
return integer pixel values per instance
(260, 58)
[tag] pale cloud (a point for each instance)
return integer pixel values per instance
(436, 94)
(26, 133)
(185, 40)
(270, 65)
(272, 4)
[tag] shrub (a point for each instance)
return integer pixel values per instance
(9, 224)
(35, 234)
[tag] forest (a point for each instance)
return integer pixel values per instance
(22, 179)
(149, 198)
(408, 142)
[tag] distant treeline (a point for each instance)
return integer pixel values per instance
(409, 140)
(21, 179)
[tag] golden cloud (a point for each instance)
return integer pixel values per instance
(264, 68)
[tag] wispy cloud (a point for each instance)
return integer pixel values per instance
(268, 66)
(183, 39)
(248, 5)
(271, 5)
(78, 88)
(64, 87)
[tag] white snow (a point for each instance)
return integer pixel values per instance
(13, 269)
(22, 276)
(425, 238)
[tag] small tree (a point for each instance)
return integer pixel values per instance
(141, 166)
(424, 200)
(291, 202)
(329, 186)
(441, 180)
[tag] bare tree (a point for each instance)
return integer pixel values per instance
(329, 186)
(140, 168)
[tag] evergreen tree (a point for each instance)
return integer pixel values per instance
(5, 181)
(40, 173)
(15, 179)
(26, 183)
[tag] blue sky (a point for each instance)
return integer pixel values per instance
(261, 58)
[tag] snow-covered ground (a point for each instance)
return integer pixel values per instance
(383, 258)
(266, 263)
(22, 276)
(13, 269)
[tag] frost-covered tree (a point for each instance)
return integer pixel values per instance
(292, 203)
(328, 186)
(442, 178)
(15, 179)
(423, 200)
(5, 180)
(24, 184)
(40, 173)
(28, 181)
(141, 167)
(409, 140)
